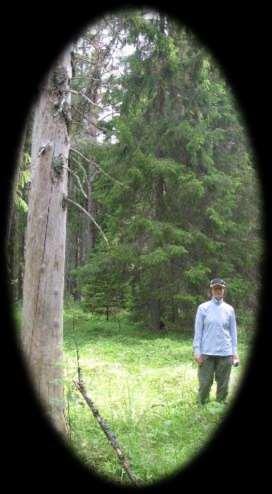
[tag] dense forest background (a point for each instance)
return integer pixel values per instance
(162, 181)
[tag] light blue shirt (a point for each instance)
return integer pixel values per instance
(215, 329)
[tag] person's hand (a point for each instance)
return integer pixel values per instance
(199, 359)
(235, 360)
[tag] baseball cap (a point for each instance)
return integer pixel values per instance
(217, 281)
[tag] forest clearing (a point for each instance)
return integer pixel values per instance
(145, 386)
(136, 185)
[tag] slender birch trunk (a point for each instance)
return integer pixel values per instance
(42, 319)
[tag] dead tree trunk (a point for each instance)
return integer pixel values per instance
(42, 319)
(89, 232)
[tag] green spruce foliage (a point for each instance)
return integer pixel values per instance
(187, 208)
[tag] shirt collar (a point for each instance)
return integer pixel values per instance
(217, 302)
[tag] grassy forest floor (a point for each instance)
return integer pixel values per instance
(144, 385)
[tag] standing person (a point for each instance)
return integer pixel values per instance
(215, 343)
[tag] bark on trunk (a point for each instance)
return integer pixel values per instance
(155, 304)
(42, 318)
(155, 314)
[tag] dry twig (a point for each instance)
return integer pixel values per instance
(90, 216)
(80, 386)
(97, 167)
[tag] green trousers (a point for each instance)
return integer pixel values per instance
(218, 368)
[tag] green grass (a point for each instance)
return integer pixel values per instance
(144, 385)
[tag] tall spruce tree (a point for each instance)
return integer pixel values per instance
(188, 205)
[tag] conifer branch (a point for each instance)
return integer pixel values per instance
(78, 180)
(81, 166)
(97, 166)
(67, 199)
(86, 98)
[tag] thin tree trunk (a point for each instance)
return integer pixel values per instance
(11, 243)
(78, 257)
(155, 314)
(155, 305)
(21, 267)
(89, 233)
(13, 260)
(15, 180)
(42, 318)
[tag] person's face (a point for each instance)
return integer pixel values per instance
(218, 291)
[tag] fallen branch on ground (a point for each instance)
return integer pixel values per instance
(80, 386)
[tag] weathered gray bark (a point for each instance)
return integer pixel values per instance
(42, 319)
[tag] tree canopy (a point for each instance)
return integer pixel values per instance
(161, 162)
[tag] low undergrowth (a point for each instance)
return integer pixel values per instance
(144, 385)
